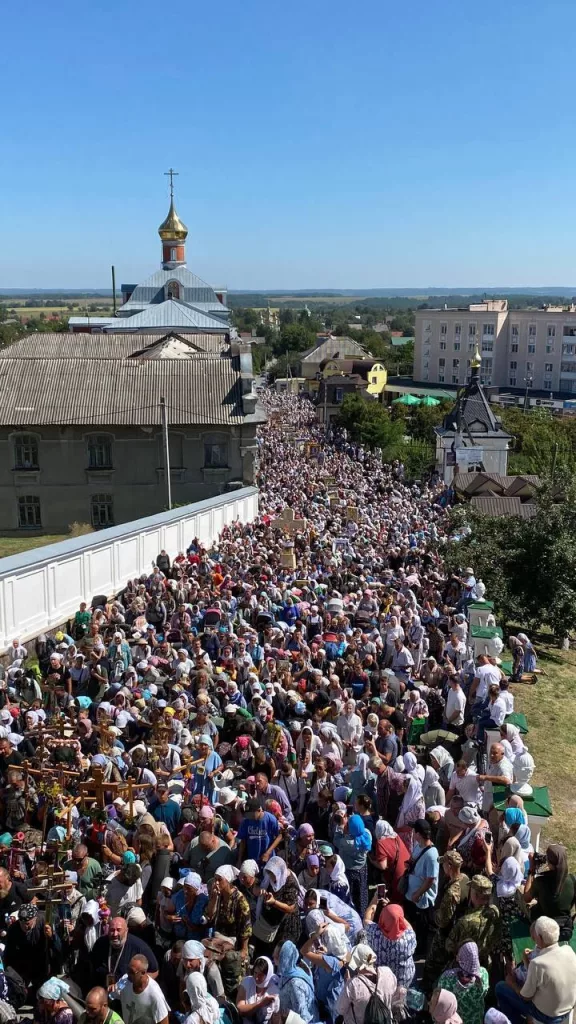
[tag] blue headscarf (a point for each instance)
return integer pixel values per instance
(514, 816)
(524, 836)
(287, 962)
(360, 834)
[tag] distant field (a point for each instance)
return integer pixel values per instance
(60, 312)
(15, 545)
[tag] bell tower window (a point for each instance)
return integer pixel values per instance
(173, 290)
(173, 255)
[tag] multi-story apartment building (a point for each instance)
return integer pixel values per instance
(519, 348)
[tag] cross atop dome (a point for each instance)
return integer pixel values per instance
(173, 232)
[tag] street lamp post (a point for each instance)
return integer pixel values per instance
(528, 383)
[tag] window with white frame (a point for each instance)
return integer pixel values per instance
(216, 455)
(549, 348)
(551, 330)
(99, 451)
(456, 346)
(488, 331)
(514, 348)
(441, 361)
(531, 348)
(29, 517)
(513, 365)
(529, 367)
(455, 362)
(455, 378)
(531, 330)
(25, 451)
(457, 330)
(471, 330)
(442, 346)
(547, 383)
(101, 511)
(512, 382)
(548, 367)
(443, 328)
(515, 330)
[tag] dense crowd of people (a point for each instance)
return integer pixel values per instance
(262, 784)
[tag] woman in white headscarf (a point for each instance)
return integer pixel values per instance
(390, 856)
(443, 763)
(411, 766)
(411, 809)
(337, 880)
(258, 999)
(203, 1008)
(278, 905)
(360, 776)
(327, 950)
(434, 795)
(350, 731)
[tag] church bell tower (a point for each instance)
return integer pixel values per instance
(173, 233)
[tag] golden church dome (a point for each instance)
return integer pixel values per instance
(173, 229)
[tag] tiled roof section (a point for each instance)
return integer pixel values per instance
(105, 346)
(335, 348)
(497, 506)
(203, 389)
(497, 483)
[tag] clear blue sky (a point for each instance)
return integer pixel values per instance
(319, 143)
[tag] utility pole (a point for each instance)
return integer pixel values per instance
(554, 460)
(114, 289)
(166, 447)
(528, 383)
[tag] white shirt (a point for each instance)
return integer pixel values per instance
(487, 674)
(467, 788)
(503, 768)
(498, 711)
(455, 701)
(508, 699)
(147, 1007)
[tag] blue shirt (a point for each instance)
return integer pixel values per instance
(258, 835)
(169, 813)
(426, 867)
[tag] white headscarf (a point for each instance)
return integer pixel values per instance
(362, 765)
(228, 872)
(384, 830)
(275, 874)
(200, 1002)
(430, 777)
(91, 908)
(411, 766)
(412, 795)
(441, 755)
(334, 940)
(510, 877)
(338, 873)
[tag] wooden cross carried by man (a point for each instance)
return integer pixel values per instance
(288, 523)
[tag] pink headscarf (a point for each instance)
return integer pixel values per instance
(446, 1009)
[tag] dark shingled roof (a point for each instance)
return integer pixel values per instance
(502, 506)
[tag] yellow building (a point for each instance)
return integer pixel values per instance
(377, 378)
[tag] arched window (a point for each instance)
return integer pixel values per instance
(99, 451)
(173, 255)
(173, 290)
(25, 451)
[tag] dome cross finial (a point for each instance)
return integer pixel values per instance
(171, 173)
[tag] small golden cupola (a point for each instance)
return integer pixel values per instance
(173, 233)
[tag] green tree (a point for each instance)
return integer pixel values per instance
(529, 566)
(370, 424)
(285, 363)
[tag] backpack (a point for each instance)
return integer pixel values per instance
(375, 1012)
(17, 989)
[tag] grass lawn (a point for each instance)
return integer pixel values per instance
(14, 545)
(550, 707)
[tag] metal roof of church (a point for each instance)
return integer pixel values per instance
(167, 314)
(52, 345)
(195, 289)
